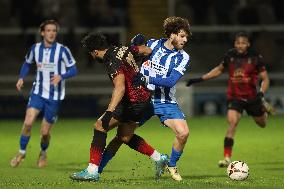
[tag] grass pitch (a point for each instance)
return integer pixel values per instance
(261, 149)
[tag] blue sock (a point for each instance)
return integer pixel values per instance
(24, 140)
(44, 146)
(107, 156)
(174, 158)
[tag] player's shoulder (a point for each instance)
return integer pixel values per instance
(254, 53)
(231, 52)
(155, 43)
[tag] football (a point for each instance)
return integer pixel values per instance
(238, 170)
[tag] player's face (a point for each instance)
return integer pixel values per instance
(49, 33)
(241, 44)
(179, 40)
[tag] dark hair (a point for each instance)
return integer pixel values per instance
(242, 34)
(175, 24)
(46, 22)
(95, 41)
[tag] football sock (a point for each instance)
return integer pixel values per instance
(140, 145)
(174, 158)
(44, 143)
(107, 156)
(97, 147)
(156, 156)
(24, 140)
(92, 168)
(228, 146)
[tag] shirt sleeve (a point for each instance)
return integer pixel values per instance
(260, 64)
(68, 57)
(182, 63)
(30, 56)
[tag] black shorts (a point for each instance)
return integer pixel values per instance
(253, 107)
(126, 112)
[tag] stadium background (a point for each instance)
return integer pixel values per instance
(213, 26)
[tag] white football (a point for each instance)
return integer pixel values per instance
(238, 170)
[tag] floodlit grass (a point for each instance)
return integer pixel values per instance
(261, 149)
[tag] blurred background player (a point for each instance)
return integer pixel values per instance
(127, 105)
(55, 64)
(244, 66)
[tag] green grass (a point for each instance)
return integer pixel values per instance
(261, 149)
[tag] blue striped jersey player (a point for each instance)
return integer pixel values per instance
(166, 65)
(55, 64)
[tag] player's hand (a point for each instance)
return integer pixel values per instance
(194, 80)
(106, 119)
(138, 40)
(20, 84)
(140, 80)
(56, 79)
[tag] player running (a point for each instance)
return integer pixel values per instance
(55, 64)
(160, 73)
(126, 107)
(244, 66)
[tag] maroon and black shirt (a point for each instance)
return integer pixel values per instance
(120, 60)
(243, 72)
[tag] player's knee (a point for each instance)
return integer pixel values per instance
(183, 135)
(28, 122)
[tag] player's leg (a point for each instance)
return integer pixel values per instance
(51, 108)
(33, 108)
(256, 109)
(180, 128)
(137, 143)
(233, 118)
(96, 150)
(44, 142)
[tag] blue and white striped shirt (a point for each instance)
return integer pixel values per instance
(50, 61)
(160, 65)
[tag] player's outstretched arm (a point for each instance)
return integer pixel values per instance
(215, 72)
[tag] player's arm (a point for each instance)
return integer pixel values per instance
(169, 81)
(264, 81)
(117, 94)
(71, 72)
(215, 72)
(23, 73)
(141, 50)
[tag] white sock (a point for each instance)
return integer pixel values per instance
(92, 168)
(23, 152)
(156, 156)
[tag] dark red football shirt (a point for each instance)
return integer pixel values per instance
(243, 72)
(120, 60)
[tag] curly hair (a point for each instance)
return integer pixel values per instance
(46, 22)
(94, 41)
(175, 24)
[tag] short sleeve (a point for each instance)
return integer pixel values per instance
(182, 63)
(68, 57)
(30, 56)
